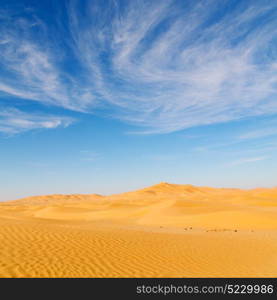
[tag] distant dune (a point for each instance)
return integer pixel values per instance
(166, 230)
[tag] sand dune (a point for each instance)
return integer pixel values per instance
(166, 230)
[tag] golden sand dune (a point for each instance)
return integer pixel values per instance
(166, 230)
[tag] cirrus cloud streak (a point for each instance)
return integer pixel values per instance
(163, 66)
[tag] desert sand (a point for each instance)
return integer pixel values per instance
(166, 230)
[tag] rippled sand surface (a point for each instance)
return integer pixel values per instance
(165, 230)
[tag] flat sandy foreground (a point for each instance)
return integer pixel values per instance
(165, 230)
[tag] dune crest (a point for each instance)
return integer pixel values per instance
(165, 230)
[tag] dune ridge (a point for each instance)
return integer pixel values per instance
(165, 230)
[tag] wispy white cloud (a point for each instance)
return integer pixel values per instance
(259, 133)
(177, 68)
(246, 161)
(164, 66)
(163, 157)
(87, 155)
(31, 65)
(13, 121)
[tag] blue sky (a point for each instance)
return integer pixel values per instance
(110, 96)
